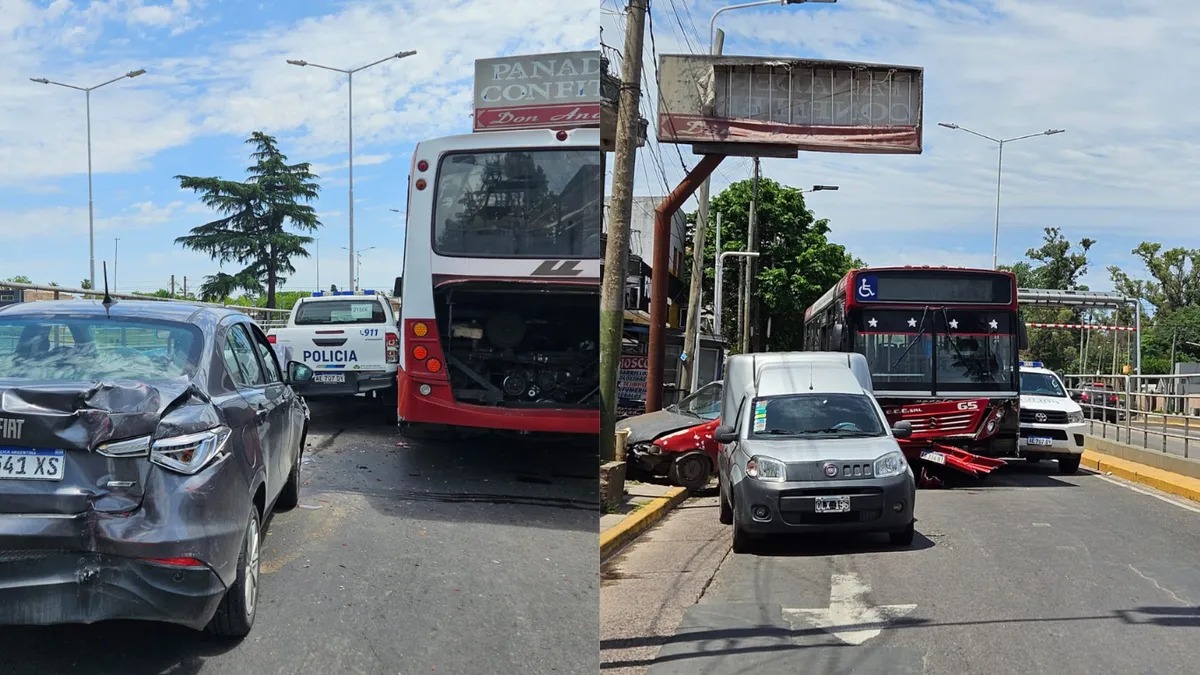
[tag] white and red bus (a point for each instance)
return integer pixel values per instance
(500, 294)
(943, 347)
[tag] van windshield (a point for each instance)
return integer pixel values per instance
(808, 415)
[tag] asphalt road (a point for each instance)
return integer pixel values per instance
(471, 556)
(1030, 572)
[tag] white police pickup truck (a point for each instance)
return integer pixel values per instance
(351, 341)
(1052, 425)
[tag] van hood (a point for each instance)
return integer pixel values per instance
(828, 448)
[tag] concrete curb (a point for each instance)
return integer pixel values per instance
(616, 537)
(1159, 479)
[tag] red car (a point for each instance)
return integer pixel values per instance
(677, 441)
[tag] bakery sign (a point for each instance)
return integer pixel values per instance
(538, 91)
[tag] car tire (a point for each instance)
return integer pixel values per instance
(691, 471)
(387, 401)
(289, 496)
(1068, 465)
(742, 541)
(726, 512)
(903, 537)
(235, 615)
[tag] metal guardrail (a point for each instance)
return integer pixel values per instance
(1156, 412)
(264, 317)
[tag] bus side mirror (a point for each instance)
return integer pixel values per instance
(396, 290)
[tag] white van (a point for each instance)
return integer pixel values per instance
(805, 447)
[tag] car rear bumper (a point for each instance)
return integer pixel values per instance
(792, 505)
(56, 587)
(356, 383)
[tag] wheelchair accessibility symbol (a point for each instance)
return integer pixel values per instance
(867, 286)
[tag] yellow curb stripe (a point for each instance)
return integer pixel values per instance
(1159, 479)
(616, 537)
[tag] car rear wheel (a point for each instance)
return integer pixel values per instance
(903, 537)
(235, 614)
(691, 471)
(1068, 465)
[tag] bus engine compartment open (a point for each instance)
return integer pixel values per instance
(515, 347)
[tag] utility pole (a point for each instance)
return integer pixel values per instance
(691, 335)
(750, 306)
(616, 253)
(172, 285)
(185, 288)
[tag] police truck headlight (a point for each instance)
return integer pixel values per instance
(1075, 417)
(891, 464)
(766, 469)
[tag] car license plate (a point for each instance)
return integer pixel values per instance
(329, 378)
(833, 504)
(1038, 440)
(31, 464)
(934, 456)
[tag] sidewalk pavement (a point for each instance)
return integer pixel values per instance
(646, 588)
(1159, 479)
(644, 504)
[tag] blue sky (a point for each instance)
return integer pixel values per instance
(217, 72)
(1112, 73)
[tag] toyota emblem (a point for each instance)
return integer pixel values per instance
(830, 469)
(1041, 417)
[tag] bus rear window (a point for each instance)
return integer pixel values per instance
(339, 311)
(518, 204)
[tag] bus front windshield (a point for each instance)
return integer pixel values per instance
(929, 351)
(518, 204)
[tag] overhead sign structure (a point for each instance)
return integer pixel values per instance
(811, 105)
(538, 91)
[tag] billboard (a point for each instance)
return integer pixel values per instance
(538, 91)
(822, 106)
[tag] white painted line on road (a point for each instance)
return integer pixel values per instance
(848, 617)
(1189, 507)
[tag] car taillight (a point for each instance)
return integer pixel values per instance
(393, 348)
(271, 339)
(176, 562)
(423, 353)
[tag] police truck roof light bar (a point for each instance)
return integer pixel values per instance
(1031, 364)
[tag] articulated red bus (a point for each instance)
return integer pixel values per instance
(943, 346)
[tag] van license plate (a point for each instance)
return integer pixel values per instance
(934, 456)
(31, 464)
(330, 378)
(1037, 440)
(833, 504)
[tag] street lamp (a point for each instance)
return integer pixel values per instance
(999, 168)
(358, 254)
(349, 73)
(712, 24)
(87, 93)
(718, 301)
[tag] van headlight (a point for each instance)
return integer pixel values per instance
(1075, 417)
(190, 453)
(891, 464)
(766, 469)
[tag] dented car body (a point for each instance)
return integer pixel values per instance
(142, 446)
(678, 441)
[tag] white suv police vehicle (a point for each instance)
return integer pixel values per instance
(1052, 424)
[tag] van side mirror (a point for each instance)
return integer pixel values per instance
(902, 429)
(398, 287)
(725, 434)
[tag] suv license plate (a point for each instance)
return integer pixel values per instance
(1038, 440)
(833, 504)
(329, 378)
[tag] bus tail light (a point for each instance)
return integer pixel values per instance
(423, 356)
(392, 347)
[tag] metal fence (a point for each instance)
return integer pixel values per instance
(265, 318)
(1156, 412)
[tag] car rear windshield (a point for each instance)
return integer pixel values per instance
(325, 312)
(816, 415)
(91, 349)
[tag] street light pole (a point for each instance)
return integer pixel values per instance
(357, 255)
(116, 242)
(717, 301)
(349, 73)
(87, 95)
(999, 169)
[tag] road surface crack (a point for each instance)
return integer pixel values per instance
(1160, 586)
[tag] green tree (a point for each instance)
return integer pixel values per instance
(1175, 277)
(20, 279)
(797, 263)
(86, 284)
(252, 231)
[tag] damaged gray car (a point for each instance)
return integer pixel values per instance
(142, 446)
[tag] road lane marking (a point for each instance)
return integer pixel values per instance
(848, 617)
(1130, 486)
